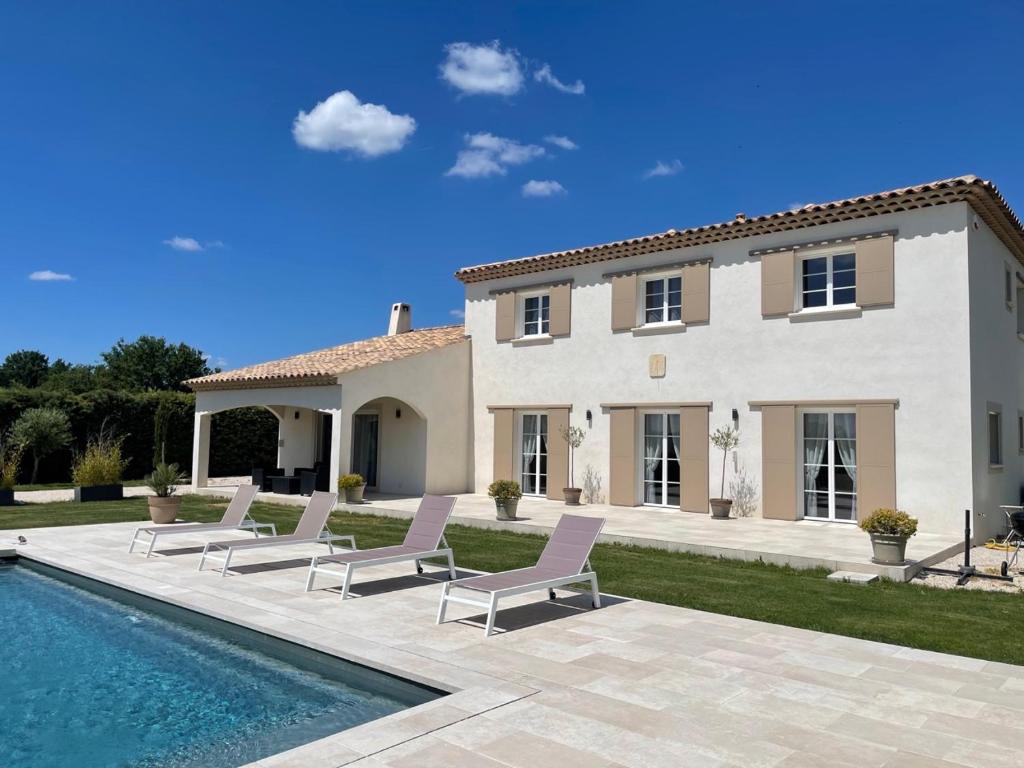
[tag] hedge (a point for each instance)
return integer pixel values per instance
(240, 439)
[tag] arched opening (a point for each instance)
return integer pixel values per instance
(240, 439)
(389, 446)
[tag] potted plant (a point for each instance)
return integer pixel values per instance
(574, 436)
(163, 482)
(724, 439)
(97, 470)
(10, 463)
(889, 530)
(506, 495)
(352, 486)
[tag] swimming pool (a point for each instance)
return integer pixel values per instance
(95, 676)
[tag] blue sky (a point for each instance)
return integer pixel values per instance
(126, 125)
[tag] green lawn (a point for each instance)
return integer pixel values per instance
(980, 624)
(65, 486)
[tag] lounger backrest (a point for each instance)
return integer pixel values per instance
(314, 517)
(569, 546)
(428, 526)
(239, 506)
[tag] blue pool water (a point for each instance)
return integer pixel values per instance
(87, 680)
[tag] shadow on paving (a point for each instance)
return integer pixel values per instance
(534, 614)
(274, 565)
(373, 587)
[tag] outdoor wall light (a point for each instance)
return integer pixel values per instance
(735, 415)
(398, 413)
(590, 418)
(296, 414)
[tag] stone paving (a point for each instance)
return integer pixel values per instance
(631, 684)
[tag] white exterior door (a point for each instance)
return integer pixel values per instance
(829, 440)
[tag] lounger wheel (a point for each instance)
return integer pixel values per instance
(551, 594)
(1003, 569)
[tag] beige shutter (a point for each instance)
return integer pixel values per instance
(778, 289)
(504, 444)
(558, 453)
(693, 458)
(623, 302)
(778, 462)
(697, 293)
(876, 458)
(560, 309)
(505, 320)
(622, 458)
(875, 271)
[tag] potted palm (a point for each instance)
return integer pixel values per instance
(889, 530)
(10, 463)
(163, 482)
(506, 495)
(97, 471)
(724, 439)
(574, 436)
(352, 487)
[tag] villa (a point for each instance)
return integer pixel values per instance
(870, 351)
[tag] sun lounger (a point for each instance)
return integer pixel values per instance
(424, 539)
(565, 560)
(311, 529)
(236, 517)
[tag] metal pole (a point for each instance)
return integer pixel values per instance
(967, 538)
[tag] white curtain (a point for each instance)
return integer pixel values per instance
(529, 455)
(815, 441)
(846, 445)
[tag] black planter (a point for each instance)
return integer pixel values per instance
(99, 493)
(6, 497)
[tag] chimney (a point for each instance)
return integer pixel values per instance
(401, 319)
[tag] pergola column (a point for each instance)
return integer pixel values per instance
(201, 450)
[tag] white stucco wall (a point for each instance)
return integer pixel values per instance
(402, 455)
(997, 375)
(296, 438)
(916, 351)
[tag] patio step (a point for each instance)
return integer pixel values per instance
(853, 577)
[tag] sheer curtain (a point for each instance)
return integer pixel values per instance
(529, 462)
(815, 442)
(846, 444)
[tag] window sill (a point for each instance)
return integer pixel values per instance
(532, 341)
(656, 329)
(1020, 336)
(995, 467)
(830, 313)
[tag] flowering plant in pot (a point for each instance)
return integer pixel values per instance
(352, 486)
(574, 436)
(889, 530)
(506, 495)
(10, 463)
(724, 439)
(163, 482)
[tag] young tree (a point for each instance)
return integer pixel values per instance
(41, 431)
(26, 368)
(150, 363)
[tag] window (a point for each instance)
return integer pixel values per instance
(663, 300)
(1020, 306)
(995, 437)
(828, 281)
(660, 459)
(1008, 285)
(830, 465)
(1020, 432)
(533, 476)
(536, 313)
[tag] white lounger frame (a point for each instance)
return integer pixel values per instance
(324, 536)
(247, 524)
(491, 604)
(315, 567)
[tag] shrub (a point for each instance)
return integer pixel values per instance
(890, 522)
(165, 479)
(350, 481)
(101, 463)
(10, 462)
(503, 490)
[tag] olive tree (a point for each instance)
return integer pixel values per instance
(41, 431)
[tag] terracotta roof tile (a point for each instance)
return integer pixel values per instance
(981, 194)
(325, 365)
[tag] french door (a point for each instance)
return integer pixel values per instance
(660, 459)
(533, 454)
(830, 465)
(365, 442)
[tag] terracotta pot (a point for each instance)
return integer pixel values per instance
(888, 549)
(720, 508)
(506, 508)
(355, 495)
(572, 496)
(163, 510)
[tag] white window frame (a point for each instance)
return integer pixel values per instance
(520, 464)
(641, 460)
(829, 255)
(521, 314)
(830, 463)
(994, 409)
(664, 277)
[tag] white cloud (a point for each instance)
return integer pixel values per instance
(49, 276)
(563, 142)
(545, 75)
(458, 314)
(534, 188)
(664, 169)
(487, 68)
(342, 122)
(189, 244)
(489, 155)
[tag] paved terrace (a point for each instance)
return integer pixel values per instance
(802, 544)
(631, 684)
